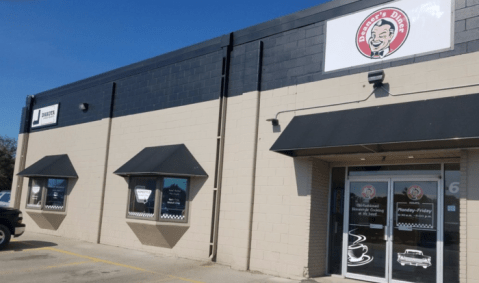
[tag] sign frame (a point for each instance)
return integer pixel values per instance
(453, 17)
(42, 125)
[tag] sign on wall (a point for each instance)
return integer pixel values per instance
(45, 116)
(395, 30)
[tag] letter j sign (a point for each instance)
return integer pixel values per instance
(45, 116)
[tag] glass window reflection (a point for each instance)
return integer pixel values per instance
(56, 191)
(174, 195)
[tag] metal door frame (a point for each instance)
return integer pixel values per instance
(390, 179)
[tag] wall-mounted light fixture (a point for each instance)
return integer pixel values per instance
(83, 106)
(275, 122)
(376, 78)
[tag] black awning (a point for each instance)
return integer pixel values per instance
(175, 160)
(54, 166)
(430, 124)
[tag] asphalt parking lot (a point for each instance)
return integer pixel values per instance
(43, 258)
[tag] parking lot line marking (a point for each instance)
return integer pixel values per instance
(160, 280)
(120, 264)
(26, 270)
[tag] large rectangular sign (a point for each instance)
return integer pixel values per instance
(398, 29)
(45, 116)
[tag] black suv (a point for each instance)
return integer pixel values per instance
(10, 224)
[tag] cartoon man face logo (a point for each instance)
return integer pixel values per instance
(382, 33)
(415, 192)
(381, 36)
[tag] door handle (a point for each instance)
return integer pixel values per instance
(376, 226)
(385, 233)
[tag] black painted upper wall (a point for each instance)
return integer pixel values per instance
(293, 53)
(186, 82)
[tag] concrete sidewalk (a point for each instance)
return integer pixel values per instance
(43, 258)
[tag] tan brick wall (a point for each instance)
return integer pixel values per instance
(441, 73)
(318, 233)
(15, 182)
(237, 180)
(194, 125)
(280, 239)
(472, 221)
(85, 145)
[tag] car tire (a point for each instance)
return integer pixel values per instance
(5, 236)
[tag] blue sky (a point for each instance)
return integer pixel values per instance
(49, 43)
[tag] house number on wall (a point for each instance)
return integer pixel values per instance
(454, 187)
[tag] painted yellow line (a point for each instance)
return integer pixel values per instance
(160, 280)
(120, 264)
(27, 270)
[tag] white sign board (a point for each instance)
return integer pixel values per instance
(142, 195)
(397, 29)
(35, 189)
(45, 116)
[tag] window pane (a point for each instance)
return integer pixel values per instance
(142, 197)
(56, 190)
(173, 205)
(5, 197)
(35, 196)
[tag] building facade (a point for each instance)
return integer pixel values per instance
(340, 140)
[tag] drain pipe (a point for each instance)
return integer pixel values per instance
(255, 154)
(227, 46)
(105, 166)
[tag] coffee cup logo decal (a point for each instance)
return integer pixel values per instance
(357, 251)
(382, 33)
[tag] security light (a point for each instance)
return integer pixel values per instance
(376, 78)
(275, 122)
(83, 106)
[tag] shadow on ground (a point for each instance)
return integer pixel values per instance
(27, 245)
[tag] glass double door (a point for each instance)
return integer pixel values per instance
(392, 230)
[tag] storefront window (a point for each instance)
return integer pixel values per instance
(47, 194)
(35, 194)
(174, 195)
(56, 190)
(142, 197)
(158, 198)
(452, 178)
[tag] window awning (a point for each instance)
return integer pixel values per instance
(174, 160)
(53, 166)
(430, 124)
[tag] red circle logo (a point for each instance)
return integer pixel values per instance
(368, 192)
(415, 192)
(382, 33)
